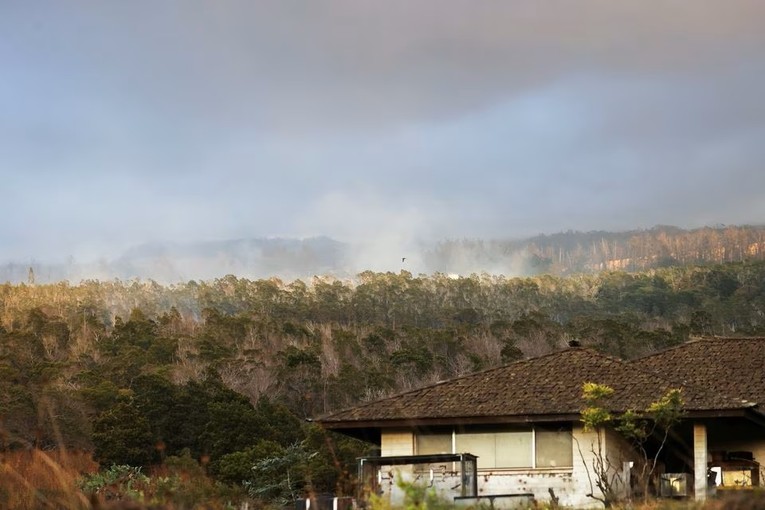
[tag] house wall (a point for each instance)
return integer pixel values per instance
(443, 479)
(397, 442)
(394, 443)
(570, 485)
(619, 453)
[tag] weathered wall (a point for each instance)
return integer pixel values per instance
(397, 442)
(394, 443)
(445, 482)
(570, 485)
(618, 453)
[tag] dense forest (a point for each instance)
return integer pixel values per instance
(224, 374)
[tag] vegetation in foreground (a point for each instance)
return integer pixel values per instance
(36, 479)
(422, 498)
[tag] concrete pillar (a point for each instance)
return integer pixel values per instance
(700, 461)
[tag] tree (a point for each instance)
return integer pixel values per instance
(282, 477)
(122, 435)
(595, 417)
(637, 427)
(656, 423)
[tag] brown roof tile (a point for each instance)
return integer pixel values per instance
(730, 366)
(546, 385)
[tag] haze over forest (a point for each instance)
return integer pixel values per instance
(291, 259)
(379, 124)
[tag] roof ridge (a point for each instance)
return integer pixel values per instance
(695, 340)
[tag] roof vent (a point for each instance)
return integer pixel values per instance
(574, 343)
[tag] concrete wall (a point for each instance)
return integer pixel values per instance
(394, 443)
(570, 485)
(397, 442)
(700, 458)
(619, 453)
(445, 482)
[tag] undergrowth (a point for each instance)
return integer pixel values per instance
(34, 479)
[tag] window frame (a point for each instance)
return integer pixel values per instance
(479, 429)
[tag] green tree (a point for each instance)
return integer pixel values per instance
(637, 427)
(122, 435)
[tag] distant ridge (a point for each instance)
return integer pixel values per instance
(587, 252)
(288, 258)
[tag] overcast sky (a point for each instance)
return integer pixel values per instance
(123, 122)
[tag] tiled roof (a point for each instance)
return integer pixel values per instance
(731, 366)
(546, 385)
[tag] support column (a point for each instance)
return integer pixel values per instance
(700, 461)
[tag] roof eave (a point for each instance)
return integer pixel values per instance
(399, 423)
(453, 420)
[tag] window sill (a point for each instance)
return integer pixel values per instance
(531, 471)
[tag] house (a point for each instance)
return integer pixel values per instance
(522, 422)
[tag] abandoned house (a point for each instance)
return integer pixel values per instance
(514, 433)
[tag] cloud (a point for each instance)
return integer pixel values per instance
(383, 121)
(292, 66)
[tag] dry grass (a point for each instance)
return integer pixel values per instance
(738, 500)
(36, 479)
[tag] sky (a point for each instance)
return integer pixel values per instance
(373, 121)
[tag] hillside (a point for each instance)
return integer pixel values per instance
(587, 252)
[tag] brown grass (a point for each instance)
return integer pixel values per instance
(735, 500)
(36, 479)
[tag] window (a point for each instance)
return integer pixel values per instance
(431, 443)
(505, 447)
(553, 447)
(514, 449)
(498, 448)
(434, 442)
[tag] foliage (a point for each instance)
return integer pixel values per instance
(128, 480)
(280, 478)
(179, 484)
(637, 427)
(122, 434)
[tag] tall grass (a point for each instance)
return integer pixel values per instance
(33, 479)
